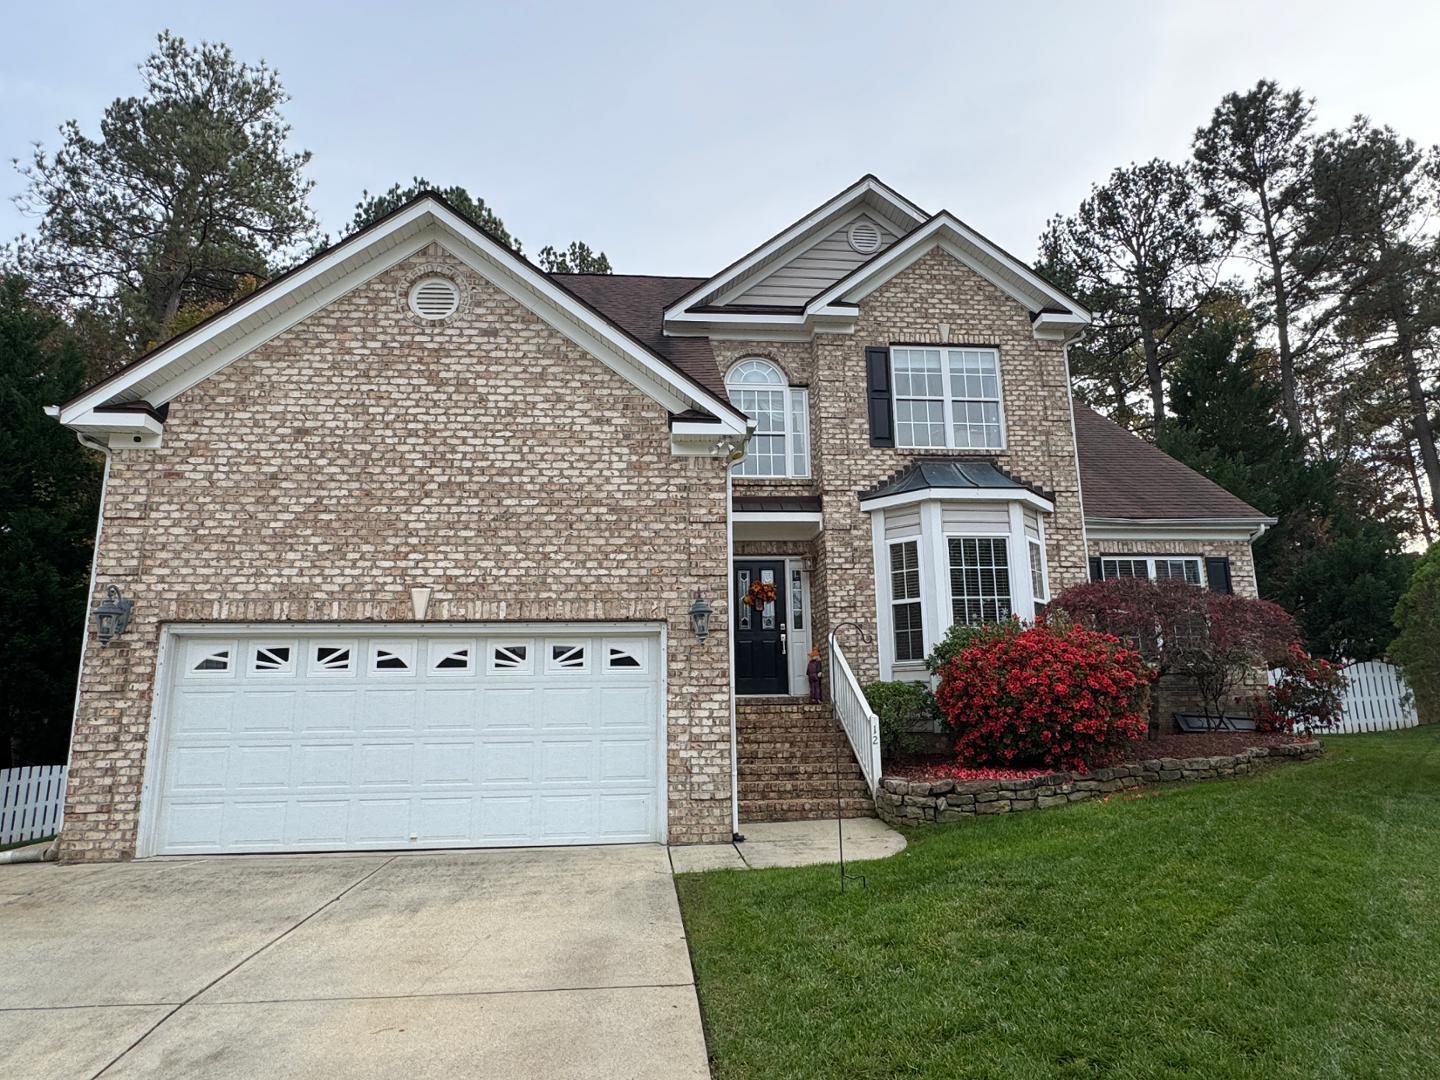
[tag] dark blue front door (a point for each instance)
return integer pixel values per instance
(761, 666)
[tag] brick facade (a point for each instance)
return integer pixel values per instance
(363, 452)
(911, 308)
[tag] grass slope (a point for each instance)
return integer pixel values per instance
(1284, 925)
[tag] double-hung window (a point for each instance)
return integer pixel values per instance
(979, 579)
(905, 607)
(948, 398)
(781, 443)
(1155, 568)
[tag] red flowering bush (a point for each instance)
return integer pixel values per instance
(1310, 695)
(1055, 695)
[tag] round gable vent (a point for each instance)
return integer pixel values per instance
(434, 298)
(864, 237)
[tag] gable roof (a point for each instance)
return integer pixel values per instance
(1124, 477)
(194, 355)
(982, 255)
(869, 191)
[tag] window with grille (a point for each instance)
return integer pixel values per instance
(905, 607)
(1157, 568)
(979, 579)
(948, 398)
(781, 443)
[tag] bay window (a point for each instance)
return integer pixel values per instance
(781, 443)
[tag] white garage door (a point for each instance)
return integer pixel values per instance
(316, 742)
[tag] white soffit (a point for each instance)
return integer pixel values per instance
(194, 356)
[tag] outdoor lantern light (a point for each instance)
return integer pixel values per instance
(700, 618)
(112, 616)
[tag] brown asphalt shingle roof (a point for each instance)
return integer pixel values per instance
(1121, 475)
(637, 303)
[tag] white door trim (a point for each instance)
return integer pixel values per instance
(152, 784)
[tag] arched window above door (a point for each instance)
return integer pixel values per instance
(781, 443)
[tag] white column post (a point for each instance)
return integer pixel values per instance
(934, 575)
(1022, 595)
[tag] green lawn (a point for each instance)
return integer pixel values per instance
(1284, 925)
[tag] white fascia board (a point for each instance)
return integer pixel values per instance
(559, 307)
(431, 223)
(824, 229)
(1160, 530)
(111, 389)
(814, 220)
(959, 241)
(814, 517)
(776, 525)
(944, 495)
(725, 326)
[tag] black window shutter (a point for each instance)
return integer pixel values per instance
(1096, 573)
(1217, 573)
(877, 379)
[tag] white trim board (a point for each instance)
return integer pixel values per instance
(172, 633)
(255, 320)
(1159, 530)
(868, 189)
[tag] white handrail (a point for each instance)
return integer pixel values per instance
(861, 724)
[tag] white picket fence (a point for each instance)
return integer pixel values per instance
(1376, 699)
(32, 802)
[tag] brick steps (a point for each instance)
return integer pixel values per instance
(788, 753)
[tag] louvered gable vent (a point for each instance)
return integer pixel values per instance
(864, 237)
(434, 298)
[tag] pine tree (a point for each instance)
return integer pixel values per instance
(189, 190)
(1336, 568)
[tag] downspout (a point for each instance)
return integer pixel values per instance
(1075, 452)
(90, 444)
(730, 458)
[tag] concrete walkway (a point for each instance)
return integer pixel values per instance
(791, 843)
(556, 963)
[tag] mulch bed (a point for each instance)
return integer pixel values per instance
(1209, 744)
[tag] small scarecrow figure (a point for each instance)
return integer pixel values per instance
(812, 672)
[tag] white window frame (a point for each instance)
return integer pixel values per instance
(918, 599)
(1010, 568)
(794, 432)
(1149, 562)
(1039, 572)
(947, 399)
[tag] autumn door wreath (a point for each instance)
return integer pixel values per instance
(760, 594)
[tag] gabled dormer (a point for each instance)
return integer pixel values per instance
(811, 277)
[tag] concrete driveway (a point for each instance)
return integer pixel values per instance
(556, 963)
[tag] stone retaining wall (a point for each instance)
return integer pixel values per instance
(907, 802)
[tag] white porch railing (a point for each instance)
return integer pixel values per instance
(861, 724)
(1376, 699)
(32, 802)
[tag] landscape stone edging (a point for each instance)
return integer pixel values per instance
(907, 802)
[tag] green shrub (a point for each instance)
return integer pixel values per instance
(1417, 649)
(961, 636)
(901, 708)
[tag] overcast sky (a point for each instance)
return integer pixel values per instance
(676, 136)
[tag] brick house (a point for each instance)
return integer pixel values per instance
(415, 535)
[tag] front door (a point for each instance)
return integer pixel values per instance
(761, 666)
